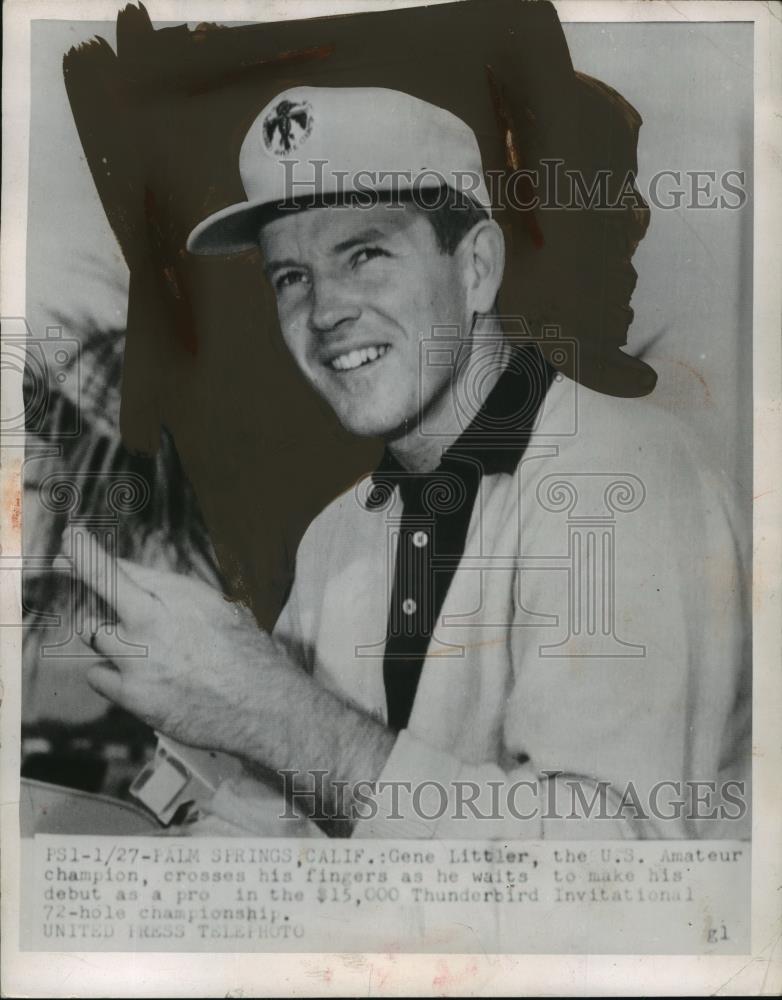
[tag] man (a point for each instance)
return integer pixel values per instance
(528, 621)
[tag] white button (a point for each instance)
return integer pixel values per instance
(409, 606)
(420, 539)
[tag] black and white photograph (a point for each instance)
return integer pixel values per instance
(390, 494)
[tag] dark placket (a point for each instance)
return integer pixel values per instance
(436, 512)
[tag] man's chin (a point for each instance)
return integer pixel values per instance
(372, 425)
(367, 429)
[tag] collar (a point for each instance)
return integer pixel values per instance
(496, 438)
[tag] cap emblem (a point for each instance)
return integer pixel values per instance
(286, 126)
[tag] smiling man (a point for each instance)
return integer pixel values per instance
(358, 290)
(499, 628)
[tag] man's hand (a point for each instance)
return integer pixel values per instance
(203, 678)
(213, 679)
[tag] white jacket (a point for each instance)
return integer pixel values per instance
(597, 626)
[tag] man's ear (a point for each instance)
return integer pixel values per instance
(483, 257)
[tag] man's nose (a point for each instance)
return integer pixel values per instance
(332, 304)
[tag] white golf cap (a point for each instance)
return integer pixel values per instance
(317, 144)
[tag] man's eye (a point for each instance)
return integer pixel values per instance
(366, 253)
(288, 278)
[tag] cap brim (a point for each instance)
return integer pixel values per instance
(231, 230)
(236, 228)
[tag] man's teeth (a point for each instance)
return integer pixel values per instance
(354, 359)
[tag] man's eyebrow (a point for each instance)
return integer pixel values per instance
(365, 236)
(276, 265)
